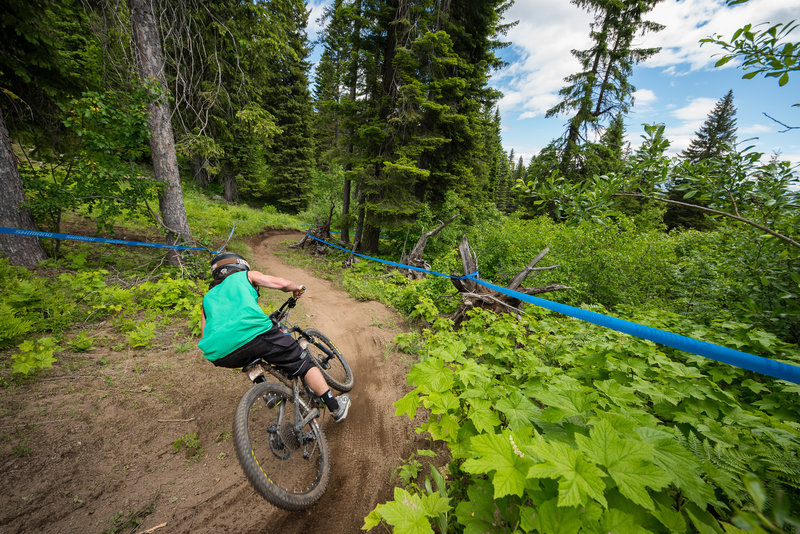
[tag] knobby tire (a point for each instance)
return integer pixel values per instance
(272, 454)
(336, 371)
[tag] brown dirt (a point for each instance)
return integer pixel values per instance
(92, 439)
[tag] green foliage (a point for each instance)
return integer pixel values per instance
(414, 298)
(608, 264)
(561, 426)
(96, 170)
(191, 445)
(11, 326)
(764, 49)
(83, 342)
(35, 356)
(30, 304)
(141, 335)
(212, 222)
(180, 295)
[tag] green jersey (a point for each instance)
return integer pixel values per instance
(233, 316)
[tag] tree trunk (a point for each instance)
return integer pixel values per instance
(200, 172)
(230, 188)
(415, 257)
(371, 238)
(162, 142)
(361, 212)
(24, 251)
(353, 85)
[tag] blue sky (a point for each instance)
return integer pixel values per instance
(677, 87)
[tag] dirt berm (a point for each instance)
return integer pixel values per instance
(90, 442)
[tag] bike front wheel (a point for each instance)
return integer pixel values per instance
(330, 361)
(289, 467)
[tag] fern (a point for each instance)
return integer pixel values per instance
(730, 460)
(12, 326)
(785, 466)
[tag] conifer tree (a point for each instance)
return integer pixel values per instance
(336, 96)
(717, 135)
(425, 80)
(602, 89)
(706, 153)
(605, 156)
(288, 100)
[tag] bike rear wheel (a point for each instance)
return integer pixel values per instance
(290, 469)
(330, 361)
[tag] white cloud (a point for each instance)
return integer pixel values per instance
(689, 21)
(314, 25)
(755, 129)
(548, 31)
(697, 109)
(644, 99)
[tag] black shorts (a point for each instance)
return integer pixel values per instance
(279, 349)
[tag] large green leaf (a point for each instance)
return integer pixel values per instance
(431, 375)
(517, 409)
(628, 461)
(614, 520)
(480, 513)
(406, 513)
(550, 518)
(482, 415)
(579, 480)
(444, 428)
(470, 373)
(439, 403)
(408, 404)
(502, 455)
(681, 465)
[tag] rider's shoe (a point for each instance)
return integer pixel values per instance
(344, 407)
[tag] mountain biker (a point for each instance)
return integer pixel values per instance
(235, 330)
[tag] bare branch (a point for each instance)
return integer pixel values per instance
(716, 212)
(782, 124)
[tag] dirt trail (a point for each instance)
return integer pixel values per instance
(93, 440)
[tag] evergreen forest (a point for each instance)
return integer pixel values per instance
(196, 123)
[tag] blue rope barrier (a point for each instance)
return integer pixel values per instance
(743, 360)
(53, 235)
(751, 362)
(394, 264)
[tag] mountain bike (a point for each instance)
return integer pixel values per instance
(277, 430)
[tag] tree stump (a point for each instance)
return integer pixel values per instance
(320, 231)
(414, 258)
(475, 295)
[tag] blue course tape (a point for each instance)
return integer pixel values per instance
(751, 362)
(35, 233)
(411, 267)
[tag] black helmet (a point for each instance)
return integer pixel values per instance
(227, 263)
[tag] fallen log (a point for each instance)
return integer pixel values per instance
(475, 295)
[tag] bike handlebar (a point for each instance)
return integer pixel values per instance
(292, 301)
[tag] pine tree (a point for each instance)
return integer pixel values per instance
(717, 135)
(603, 89)
(705, 154)
(337, 90)
(605, 156)
(425, 80)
